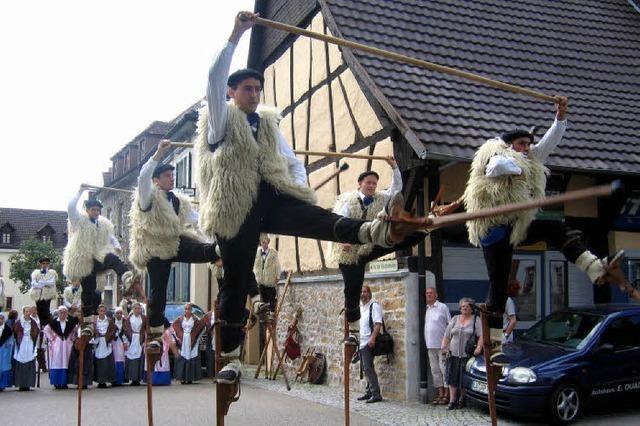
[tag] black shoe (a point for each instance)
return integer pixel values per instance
(498, 359)
(229, 374)
(24, 389)
(102, 385)
(462, 403)
(355, 359)
(373, 399)
(64, 387)
(452, 405)
(135, 383)
(364, 397)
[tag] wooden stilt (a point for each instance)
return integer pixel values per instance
(226, 394)
(292, 329)
(151, 359)
(349, 350)
(271, 326)
(493, 372)
(82, 344)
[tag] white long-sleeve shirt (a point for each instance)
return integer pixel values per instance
(145, 187)
(219, 112)
(396, 186)
(500, 165)
(74, 216)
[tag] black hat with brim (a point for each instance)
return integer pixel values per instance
(44, 259)
(161, 168)
(512, 135)
(92, 203)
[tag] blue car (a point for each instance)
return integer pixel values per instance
(565, 360)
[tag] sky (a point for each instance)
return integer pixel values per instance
(80, 79)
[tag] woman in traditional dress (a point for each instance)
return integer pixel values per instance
(26, 330)
(162, 369)
(188, 329)
(105, 369)
(118, 347)
(6, 351)
(60, 334)
(135, 330)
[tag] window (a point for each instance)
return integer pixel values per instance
(46, 238)
(6, 238)
(178, 288)
(183, 172)
(623, 333)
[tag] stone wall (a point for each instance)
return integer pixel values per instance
(321, 326)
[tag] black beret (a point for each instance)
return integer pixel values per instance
(243, 74)
(161, 168)
(512, 135)
(44, 259)
(369, 173)
(92, 203)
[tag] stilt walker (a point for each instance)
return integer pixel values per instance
(238, 200)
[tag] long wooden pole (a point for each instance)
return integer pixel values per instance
(107, 188)
(332, 176)
(341, 155)
(406, 59)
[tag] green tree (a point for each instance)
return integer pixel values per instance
(26, 260)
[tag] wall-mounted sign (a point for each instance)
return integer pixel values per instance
(383, 266)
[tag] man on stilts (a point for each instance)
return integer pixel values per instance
(91, 249)
(43, 289)
(511, 169)
(162, 232)
(251, 182)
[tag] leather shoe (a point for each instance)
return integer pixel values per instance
(374, 399)
(364, 397)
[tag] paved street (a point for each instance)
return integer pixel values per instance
(262, 402)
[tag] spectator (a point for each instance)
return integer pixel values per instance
(510, 318)
(6, 351)
(370, 325)
(436, 318)
(458, 332)
(72, 298)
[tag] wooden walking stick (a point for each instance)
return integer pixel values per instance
(405, 59)
(342, 155)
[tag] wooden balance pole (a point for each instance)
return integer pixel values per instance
(406, 59)
(107, 188)
(332, 176)
(341, 155)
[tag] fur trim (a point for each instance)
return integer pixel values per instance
(156, 233)
(337, 253)
(267, 272)
(86, 243)
(228, 178)
(484, 192)
(46, 292)
(69, 297)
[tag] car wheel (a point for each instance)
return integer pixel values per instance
(565, 404)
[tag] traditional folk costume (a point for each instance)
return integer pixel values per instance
(72, 299)
(91, 249)
(266, 268)
(251, 182)
(60, 336)
(500, 175)
(187, 367)
(117, 345)
(24, 372)
(7, 342)
(162, 368)
(74, 363)
(105, 368)
(43, 289)
(3, 299)
(352, 262)
(161, 233)
(135, 330)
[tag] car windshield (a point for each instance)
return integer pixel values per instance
(571, 330)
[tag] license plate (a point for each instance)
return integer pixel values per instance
(479, 387)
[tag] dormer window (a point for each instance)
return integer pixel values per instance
(6, 238)
(6, 232)
(46, 233)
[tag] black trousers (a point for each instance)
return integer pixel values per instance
(44, 311)
(268, 295)
(498, 258)
(189, 251)
(353, 275)
(275, 213)
(89, 302)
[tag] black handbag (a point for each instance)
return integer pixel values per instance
(470, 346)
(384, 341)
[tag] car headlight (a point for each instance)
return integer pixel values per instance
(469, 364)
(522, 375)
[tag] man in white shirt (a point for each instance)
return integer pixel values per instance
(371, 318)
(250, 182)
(436, 318)
(43, 289)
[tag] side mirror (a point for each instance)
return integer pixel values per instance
(604, 349)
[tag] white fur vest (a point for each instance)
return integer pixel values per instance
(156, 232)
(45, 292)
(73, 299)
(352, 200)
(267, 271)
(228, 178)
(86, 243)
(483, 192)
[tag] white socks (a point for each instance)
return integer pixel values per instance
(588, 263)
